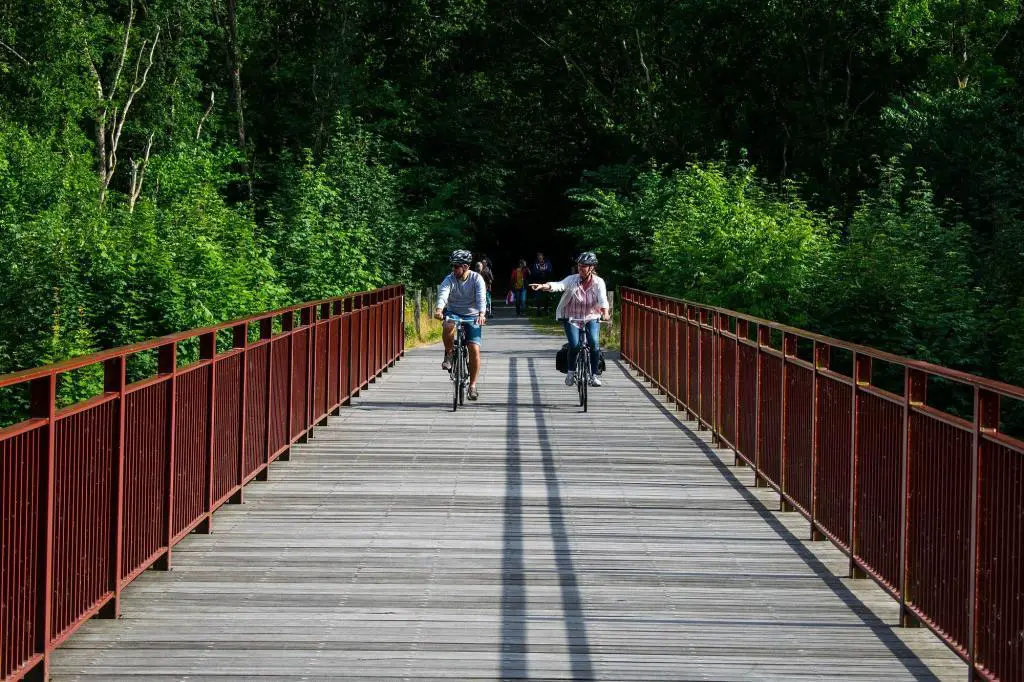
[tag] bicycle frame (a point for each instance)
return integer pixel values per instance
(582, 371)
(459, 373)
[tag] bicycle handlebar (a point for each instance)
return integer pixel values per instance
(449, 318)
(574, 320)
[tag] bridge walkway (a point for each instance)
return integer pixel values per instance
(515, 538)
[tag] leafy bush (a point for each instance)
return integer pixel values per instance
(711, 233)
(903, 280)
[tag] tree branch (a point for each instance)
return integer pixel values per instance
(640, 49)
(206, 115)
(124, 51)
(138, 175)
(14, 52)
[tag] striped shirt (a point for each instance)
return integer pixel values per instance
(590, 299)
(583, 302)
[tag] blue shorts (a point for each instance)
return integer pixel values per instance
(474, 332)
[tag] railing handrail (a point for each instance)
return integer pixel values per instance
(994, 385)
(80, 361)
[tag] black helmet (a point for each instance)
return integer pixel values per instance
(587, 258)
(460, 257)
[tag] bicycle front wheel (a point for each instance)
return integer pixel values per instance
(456, 379)
(582, 376)
(463, 381)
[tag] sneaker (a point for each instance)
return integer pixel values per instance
(594, 381)
(472, 394)
(447, 364)
(569, 378)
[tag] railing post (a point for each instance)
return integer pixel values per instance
(114, 382)
(822, 360)
(624, 324)
(266, 334)
(43, 405)
(716, 375)
(742, 333)
(789, 350)
(337, 311)
(240, 342)
(346, 322)
(687, 369)
(401, 336)
(325, 322)
(288, 327)
(307, 319)
(986, 420)
(764, 338)
(700, 313)
(167, 365)
(208, 351)
(915, 393)
(861, 377)
(679, 361)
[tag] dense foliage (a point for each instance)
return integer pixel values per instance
(851, 165)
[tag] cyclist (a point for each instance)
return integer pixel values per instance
(585, 298)
(463, 294)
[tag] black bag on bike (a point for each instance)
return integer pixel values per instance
(562, 359)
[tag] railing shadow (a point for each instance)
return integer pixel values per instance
(513, 574)
(572, 605)
(877, 626)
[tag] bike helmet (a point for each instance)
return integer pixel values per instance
(460, 257)
(587, 258)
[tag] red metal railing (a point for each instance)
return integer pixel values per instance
(928, 504)
(93, 494)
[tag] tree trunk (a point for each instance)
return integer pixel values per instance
(235, 58)
(101, 152)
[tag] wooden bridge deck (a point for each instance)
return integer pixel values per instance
(515, 538)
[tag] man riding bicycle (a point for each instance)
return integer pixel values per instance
(463, 295)
(584, 298)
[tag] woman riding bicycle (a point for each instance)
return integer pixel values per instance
(584, 299)
(463, 295)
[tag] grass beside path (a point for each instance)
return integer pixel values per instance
(430, 329)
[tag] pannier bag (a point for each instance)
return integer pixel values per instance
(562, 360)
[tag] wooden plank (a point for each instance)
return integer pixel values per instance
(517, 537)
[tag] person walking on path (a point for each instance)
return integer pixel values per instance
(584, 298)
(481, 268)
(463, 295)
(540, 272)
(517, 285)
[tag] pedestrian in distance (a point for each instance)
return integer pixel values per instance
(517, 284)
(540, 272)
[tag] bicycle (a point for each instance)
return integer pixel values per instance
(582, 372)
(459, 373)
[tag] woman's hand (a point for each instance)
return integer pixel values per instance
(538, 287)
